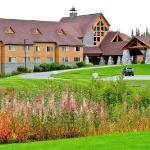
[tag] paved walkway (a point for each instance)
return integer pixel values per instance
(136, 77)
(47, 75)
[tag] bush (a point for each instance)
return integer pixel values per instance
(22, 69)
(50, 67)
(54, 66)
(14, 73)
(80, 64)
(37, 69)
(45, 67)
(89, 65)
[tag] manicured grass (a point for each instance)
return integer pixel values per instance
(126, 141)
(82, 77)
(139, 69)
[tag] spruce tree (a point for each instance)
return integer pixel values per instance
(132, 33)
(147, 32)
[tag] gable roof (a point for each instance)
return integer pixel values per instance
(84, 21)
(142, 39)
(23, 31)
(113, 48)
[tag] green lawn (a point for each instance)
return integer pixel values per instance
(126, 141)
(139, 69)
(77, 77)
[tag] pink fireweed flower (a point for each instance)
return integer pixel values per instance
(52, 104)
(84, 105)
(63, 99)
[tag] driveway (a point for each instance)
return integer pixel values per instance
(136, 77)
(47, 75)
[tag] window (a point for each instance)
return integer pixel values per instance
(37, 48)
(12, 59)
(102, 33)
(26, 59)
(26, 48)
(49, 59)
(37, 59)
(77, 48)
(65, 59)
(49, 49)
(12, 47)
(36, 31)
(64, 48)
(9, 30)
(76, 59)
(98, 39)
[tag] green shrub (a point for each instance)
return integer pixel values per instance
(80, 64)
(45, 67)
(22, 69)
(54, 66)
(89, 65)
(14, 73)
(37, 69)
(2, 75)
(50, 67)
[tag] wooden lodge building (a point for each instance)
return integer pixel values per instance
(72, 39)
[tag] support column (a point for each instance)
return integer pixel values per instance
(86, 59)
(135, 59)
(110, 60)
(126, 57)
(147, 57)
(119, 60)
(102, 61)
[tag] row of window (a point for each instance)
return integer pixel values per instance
(27, 47)
(37, 48)
(37, 59)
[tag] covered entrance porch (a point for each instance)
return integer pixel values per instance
(92, 55)
(137, 50)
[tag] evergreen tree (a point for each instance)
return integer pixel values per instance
(137, 32)
(132, 33)
(147, 32)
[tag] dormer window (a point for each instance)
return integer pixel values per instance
(61, 32)
(36, 31)
(9, 30)
(117, 38)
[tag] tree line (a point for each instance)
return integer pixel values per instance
(138, 33)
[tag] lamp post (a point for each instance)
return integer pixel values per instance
(25, 52)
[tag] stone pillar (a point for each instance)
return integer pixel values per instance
(135, 59)
(110, 60)
(86, 59)
(126, 57)
(102, 61)
(119, 60)
(147, 57)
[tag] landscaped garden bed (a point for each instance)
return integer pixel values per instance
(65, 110)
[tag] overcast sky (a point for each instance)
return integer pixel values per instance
(123, 15)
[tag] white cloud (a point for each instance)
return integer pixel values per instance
(123, 15)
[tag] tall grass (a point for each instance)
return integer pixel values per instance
(70, 110)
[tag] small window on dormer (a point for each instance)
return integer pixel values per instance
(9, 30)
(61, 32)
(36, 31)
